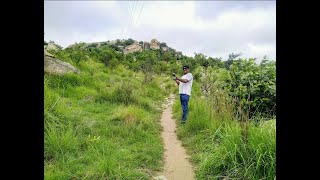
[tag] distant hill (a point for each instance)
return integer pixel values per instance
(129, 45)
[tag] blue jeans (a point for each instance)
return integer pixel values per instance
(184, 99)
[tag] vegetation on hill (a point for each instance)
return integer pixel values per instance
(104, 122)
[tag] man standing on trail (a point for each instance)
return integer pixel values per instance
(185, 84)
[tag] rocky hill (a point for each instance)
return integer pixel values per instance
(129, 45)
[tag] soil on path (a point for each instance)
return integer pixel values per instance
(177, 165)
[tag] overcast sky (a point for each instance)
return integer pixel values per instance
(214, 28)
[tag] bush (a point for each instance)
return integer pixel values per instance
(123, 94)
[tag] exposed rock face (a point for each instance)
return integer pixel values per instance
(154, 44)
(48, 54)
(55, 66)
(132, 48)
(146, 45)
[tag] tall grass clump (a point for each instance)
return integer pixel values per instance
(213, 135)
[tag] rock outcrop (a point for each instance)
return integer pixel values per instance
(132, 48)
(46, 53)
(55, 66)
(146, 45)
(154, 44)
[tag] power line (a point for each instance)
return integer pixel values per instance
(142, 29)
(124, 29)
(131, 17)
(140, 12)
(138, 17)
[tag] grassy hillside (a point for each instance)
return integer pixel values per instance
(103, 123)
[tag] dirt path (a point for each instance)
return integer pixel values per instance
(177, 166)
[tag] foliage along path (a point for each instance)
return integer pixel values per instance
(177, 166)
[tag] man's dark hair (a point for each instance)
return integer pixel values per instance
(185, 66)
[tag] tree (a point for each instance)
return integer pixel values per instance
(115, 47)
(161, 67)
(201, 59)
(232, 57)
(163, 45)
(216, 62)
(254, 85)
(128, 42)
(147, 59)
(167, 56)
(108, 56)
(118, 42)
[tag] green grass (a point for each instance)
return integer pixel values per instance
(102, 124)
(217, 148)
